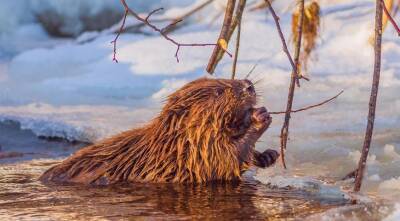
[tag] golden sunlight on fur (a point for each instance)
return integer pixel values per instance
(205, 132)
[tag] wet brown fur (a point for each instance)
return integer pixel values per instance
(192, 140)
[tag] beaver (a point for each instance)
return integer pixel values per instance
(206, 132)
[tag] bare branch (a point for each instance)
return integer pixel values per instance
(396, 27)
(310, 106)
(373, 98)
(146, 22)
(285, 48)
(180, 18)
(294, 76)
(170, 26)
(217, 56)
(114, 42)
(236, 52)
(223, 35)
(242, 4)
(152, 12)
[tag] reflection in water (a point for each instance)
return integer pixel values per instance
(23, 196)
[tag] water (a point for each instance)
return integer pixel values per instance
(24, 197)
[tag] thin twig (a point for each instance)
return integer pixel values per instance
(278, 27)
(186, 15)
(310, 106)
(153, 12)
(114, 42)
(235, 58)
(155, 28)
(294, 76)
(285, 48)
(298, 42)
(169, 27)
(173, 21)
(396, 27)
(373, 98)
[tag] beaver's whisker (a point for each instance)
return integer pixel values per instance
(252, 69)
(258, 76)
(258, 81)
(255, 76)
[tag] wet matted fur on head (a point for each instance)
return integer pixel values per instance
(205, 132)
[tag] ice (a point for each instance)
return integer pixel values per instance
(395, 215)
(70, 122)
(292, 180)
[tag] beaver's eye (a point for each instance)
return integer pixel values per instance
(218, 91)
(249, 89)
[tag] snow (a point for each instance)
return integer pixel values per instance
(20, 27)
(70, 122)
(392, 184)
(395, 215)
(374, 177)
(71, 88)
(390, 152)
(71, 12)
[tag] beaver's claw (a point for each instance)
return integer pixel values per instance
(261, 118)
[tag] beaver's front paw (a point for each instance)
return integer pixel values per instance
(261, 119)
(267, 158)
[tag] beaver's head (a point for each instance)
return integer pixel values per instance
(220, 104)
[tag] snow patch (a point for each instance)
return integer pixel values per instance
(390, 185)
(53, 129)
(355, 157)
(169, 86)
(374, 177)
(395, 216)
(390, 152)
(76, 123)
